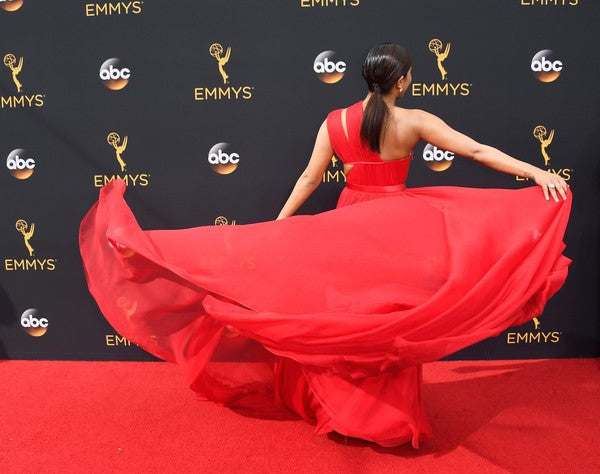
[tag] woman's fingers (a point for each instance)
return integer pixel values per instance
(545, 189)
(554, 189)
(552, 185)
(562, 189)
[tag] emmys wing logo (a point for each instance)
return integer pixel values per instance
(34, 323)
(114, 74)
(20, 164)
(113, 8)
(446, 88)
(14, 64)
(545, 139)
(334, 172)
(437, 159)
(328, 69)
(221, 57)
(27, 231)
(222, 220)
(11, 5)
(545, 67)
(222, 159)
(118, 146)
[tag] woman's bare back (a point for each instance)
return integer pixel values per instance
(400, 137)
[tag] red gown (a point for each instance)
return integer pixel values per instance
(333, 313)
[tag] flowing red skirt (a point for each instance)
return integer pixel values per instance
(329, 316)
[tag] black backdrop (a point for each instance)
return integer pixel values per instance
(175, 107)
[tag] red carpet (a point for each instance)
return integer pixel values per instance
(500, 416)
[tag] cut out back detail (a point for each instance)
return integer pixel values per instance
(344, 136)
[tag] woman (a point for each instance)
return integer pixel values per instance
(376, 138)
(345, 305)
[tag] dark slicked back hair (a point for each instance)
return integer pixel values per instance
(383, 66)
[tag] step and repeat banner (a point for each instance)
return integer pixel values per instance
(209, 109)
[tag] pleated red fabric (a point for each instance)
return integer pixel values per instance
(330, 316)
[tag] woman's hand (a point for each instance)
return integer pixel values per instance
(551, 184)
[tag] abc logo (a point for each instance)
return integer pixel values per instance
(222, 159)
(436, 158)
(545, 67)
(34, 323)
(19, 164)
(327, 68)
(11, 5)
(114, 74)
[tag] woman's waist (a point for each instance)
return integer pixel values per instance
(375, 188)
(366, 176)
(378, 180)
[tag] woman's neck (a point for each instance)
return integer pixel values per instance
(389, 100)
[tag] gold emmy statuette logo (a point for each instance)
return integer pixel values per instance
(222, 220)
(223, 91)
(334, 161)
(215, 51)
(129, 308)
(435, 46)
(31, 263)
(11, 5)
(131, 178)
(113, 139)
(9, 62)
(443, 87)
(21, 225)
(540, 132)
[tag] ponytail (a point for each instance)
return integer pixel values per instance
(374, 120)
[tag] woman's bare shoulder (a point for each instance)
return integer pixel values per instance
(409, 116)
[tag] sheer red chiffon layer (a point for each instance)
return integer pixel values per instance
(329, 317)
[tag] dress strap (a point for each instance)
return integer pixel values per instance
(337, 137)
(354, 115)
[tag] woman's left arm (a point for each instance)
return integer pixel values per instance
(311, 177)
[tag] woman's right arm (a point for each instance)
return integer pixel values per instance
(312, 175)
(435, 131)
